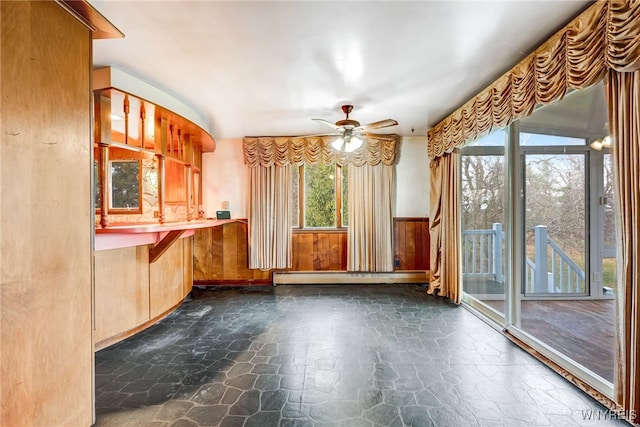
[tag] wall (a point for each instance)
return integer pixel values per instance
(46, 217)
(225, 177)
(412, 178)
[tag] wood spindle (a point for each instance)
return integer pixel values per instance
(126, 109)
(103, 173)
(161, 187)
(170, 140)
(143, 117)
(189, 190)
(179, 154)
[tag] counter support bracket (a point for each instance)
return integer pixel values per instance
(161, 247)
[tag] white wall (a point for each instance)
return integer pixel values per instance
(225, 177)
(412, 178)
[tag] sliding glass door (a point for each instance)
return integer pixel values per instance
(538, 241)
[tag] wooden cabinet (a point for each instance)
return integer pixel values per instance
(132, 293)
(221, 256)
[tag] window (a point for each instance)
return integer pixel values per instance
(320, 196)
(96, 186)
(125, 185)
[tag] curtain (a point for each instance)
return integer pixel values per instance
(623, 93)
(267, 151)
(270, 217)
(605, 36)
(435, 224)
(445, 228)
(370, 218)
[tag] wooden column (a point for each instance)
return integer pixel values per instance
(189, 178)
(161, 187)
(46, 217)
(102, 136)
(103, 180)
(161, 141)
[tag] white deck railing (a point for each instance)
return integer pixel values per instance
(552, 270)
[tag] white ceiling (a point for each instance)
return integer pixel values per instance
(268, 67)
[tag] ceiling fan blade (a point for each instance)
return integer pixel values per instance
(384, 136)
(379, 125)
(328, 123)
(318, 135)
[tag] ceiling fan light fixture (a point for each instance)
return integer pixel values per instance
(337, 143)
(346, 143)
(352, 144)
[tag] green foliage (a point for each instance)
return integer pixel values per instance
(345, 195)
(319, 192)
(125, 184)
(295, 192)
(96, 186)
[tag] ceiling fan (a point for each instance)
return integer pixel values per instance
(350, 132)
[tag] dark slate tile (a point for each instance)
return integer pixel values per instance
(273, 400)
(330, 355)
(209, 394)
(263, 419)
(209, 415)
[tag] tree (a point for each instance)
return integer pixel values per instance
(125, 184)
(320, 195)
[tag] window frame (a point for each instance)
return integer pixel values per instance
(119, 210)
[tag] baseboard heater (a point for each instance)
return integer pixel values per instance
(346, 277)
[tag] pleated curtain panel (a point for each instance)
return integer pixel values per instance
(272, 160)
(603, 42)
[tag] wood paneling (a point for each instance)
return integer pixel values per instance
(131, 293)
(121, 290)
(411, 243)
(187, 283)
(166, 277)
(221, 256)
(46, 217)
(319, 250)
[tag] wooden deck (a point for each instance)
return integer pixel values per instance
(583, 330)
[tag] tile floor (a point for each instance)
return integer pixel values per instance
(338, 355)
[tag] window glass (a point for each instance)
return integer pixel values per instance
(537, 139)
(319, 196)
(96, 186)
(295, 196)
(345, 194)
(483, 187)
(125, 184)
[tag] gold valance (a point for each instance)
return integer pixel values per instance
(605, 36)
(280, 151)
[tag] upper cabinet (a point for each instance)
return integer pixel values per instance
(148, 153)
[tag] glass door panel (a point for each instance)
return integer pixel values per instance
(555, 224)
(483, 220)
(608, 229)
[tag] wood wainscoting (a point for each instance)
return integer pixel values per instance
(221, 254)
(411, 243)
(322, 250)
(221, 257)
